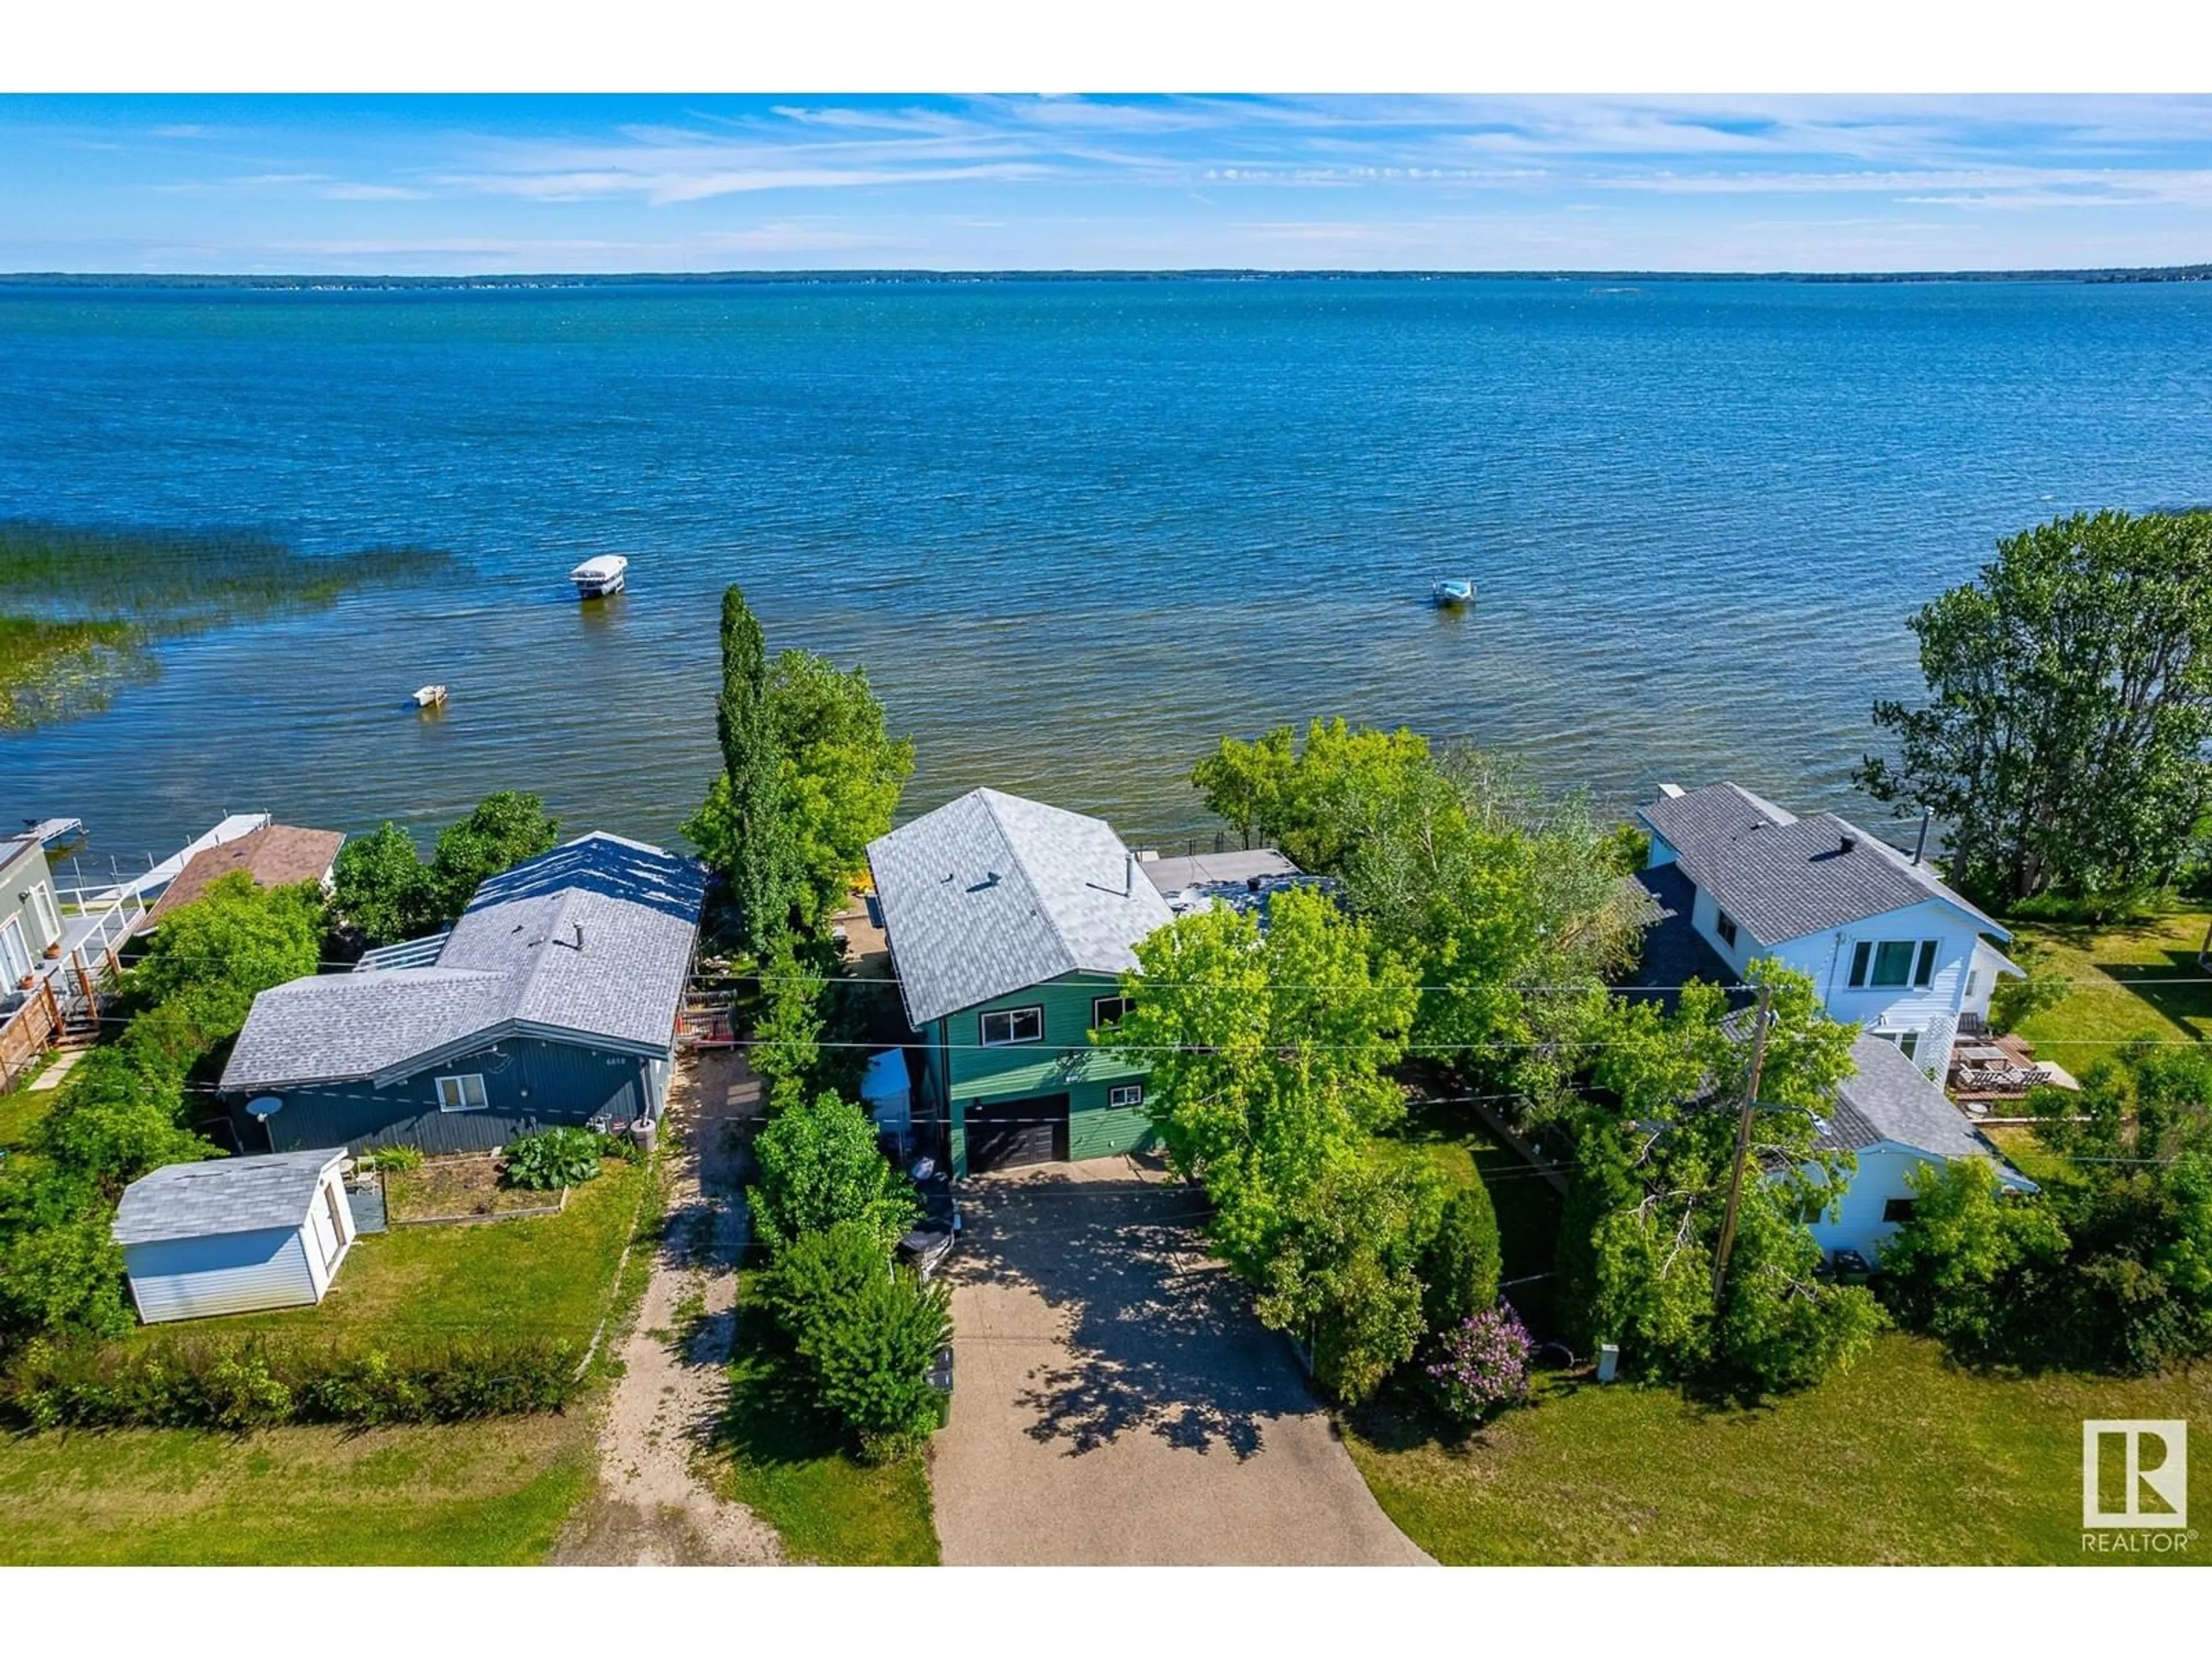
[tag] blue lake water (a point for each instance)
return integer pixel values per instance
(1075, 530)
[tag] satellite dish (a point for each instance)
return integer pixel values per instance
(265, 1106)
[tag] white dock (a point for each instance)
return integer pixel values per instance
(160, 875)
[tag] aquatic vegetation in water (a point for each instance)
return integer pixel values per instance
(80, 609)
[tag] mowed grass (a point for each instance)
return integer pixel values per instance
(2131, 980)
(794, 1468)
(547, 1276)
(489, 1494)
(1902, 1459)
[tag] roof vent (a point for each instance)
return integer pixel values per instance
(1849, 842)
(580, 935)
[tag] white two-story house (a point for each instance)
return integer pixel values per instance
(1887, 945)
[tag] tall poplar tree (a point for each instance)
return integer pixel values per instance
(740, 828)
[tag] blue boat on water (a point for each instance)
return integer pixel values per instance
(1452, 591)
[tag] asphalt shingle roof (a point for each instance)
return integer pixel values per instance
(1781, 877)
(223, 1195)
(276, 855)
(590, 941)
(1891, 1099)
(991, 893)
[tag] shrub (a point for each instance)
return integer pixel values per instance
(552, 1158)
(1459, 1266)
(1482, 1365)
(395, 1159)
(240, 1385)
(867, 1331)
(819, 1166)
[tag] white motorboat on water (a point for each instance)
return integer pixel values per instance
(1453, 590)
(597, 578)
(429, 697)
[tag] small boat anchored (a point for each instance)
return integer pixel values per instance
(430, 697)
(1452, 591)
(597, 578)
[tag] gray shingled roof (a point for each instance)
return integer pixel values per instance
(991, 893)
(1781, 877)
(590, 942)
(223, 1195)
(1172, 875)
(1890, 1098)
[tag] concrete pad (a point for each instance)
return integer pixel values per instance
(1115, 1402)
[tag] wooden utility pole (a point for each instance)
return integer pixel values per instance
(1742, 1146)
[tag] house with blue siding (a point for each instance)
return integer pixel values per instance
(1887, 945)
(554, 999)
(1011, 924)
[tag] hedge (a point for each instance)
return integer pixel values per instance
(237, 1385)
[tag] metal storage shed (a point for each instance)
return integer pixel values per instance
(235, 1234)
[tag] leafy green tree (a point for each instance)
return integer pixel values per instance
(819, 1165)
(740, 829)
(1267, 1051)
(504, 829)
(1508, 901)
(1294, 796)
(118, 1120)
(2065, 739)
(867, 1331)
(1967, 1266)
(64, 1275)
(1343, 1272)
(209, 959)
(1654, 1157)
(840, 778)
(381, 889)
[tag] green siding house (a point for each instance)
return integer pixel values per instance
(1011, 923)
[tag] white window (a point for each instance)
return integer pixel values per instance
(43, 897)
(1108, 1011)
(1724, 925)
(15, 955)
(1125, 1094)
(462, 1094)
(1908, 1042)
(1005, 1026)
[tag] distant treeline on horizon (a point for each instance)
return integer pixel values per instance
(2197, 273)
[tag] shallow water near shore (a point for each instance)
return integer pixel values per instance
(1075, 530)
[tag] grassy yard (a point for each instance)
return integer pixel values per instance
(21, 1108)
(546, 1276)
(1902, 1459)
(779, 1456)
(491, 1494)
(2117, 994)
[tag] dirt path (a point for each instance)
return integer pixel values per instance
(652, 1509)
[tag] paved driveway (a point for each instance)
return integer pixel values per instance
(1117, 1402)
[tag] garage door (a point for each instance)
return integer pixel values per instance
(1006, 1133)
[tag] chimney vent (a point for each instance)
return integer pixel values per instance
(1920, 847)
(580, 935)
(1850, 842)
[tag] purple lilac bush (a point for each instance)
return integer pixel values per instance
(1482, 1364)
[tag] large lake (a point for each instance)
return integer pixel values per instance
(1075, 530)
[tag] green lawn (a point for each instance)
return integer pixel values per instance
(792, 1469)
(2117, 996)
(1901, 1459)
(21, 1108)
(550, 1276)
(492, 1493)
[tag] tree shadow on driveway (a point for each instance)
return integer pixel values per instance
(1148, 1333)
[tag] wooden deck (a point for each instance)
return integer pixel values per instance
(1975, 1059)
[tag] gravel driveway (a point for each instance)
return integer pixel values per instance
(1117, 1402)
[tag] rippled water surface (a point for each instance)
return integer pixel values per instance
(1075, 530)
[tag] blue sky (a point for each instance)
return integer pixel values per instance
(424, 184)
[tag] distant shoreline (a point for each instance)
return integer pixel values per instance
(2195, 273)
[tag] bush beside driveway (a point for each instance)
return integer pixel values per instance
(1117, 1402)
